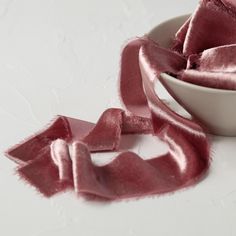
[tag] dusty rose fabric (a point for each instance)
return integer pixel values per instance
(219, 59)
(137, 104)
(54, 168)
(180, 36)
(161, 59)
(59, 157)
(212, 24)
(207, 39)
(210, 79)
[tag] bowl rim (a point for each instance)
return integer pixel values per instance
(178, 81)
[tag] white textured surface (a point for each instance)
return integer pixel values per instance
(62, 57)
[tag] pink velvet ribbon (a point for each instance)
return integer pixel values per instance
(59, 157)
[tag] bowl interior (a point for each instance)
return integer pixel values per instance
(165, 32)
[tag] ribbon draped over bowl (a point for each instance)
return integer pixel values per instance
(59, 157)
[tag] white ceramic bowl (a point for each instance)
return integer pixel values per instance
(215, 108)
